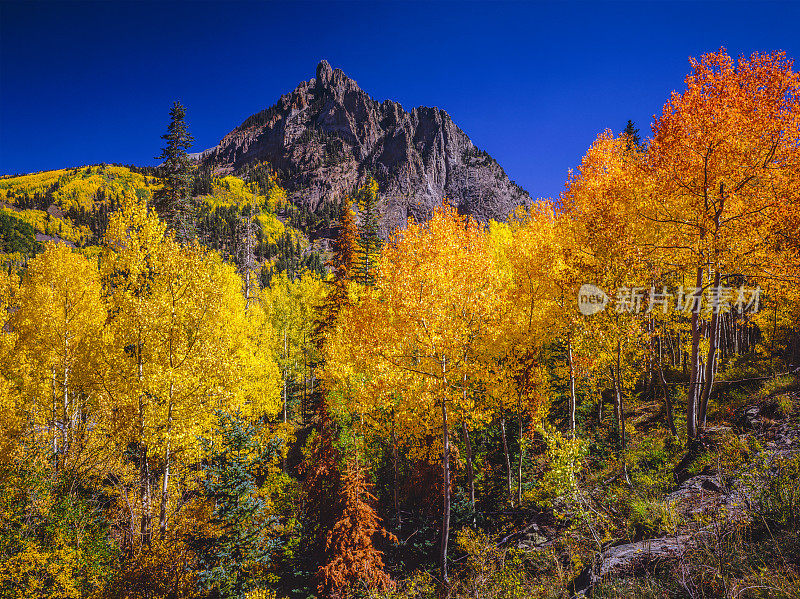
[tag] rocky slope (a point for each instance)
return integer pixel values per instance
(710, 505)
(327, 136)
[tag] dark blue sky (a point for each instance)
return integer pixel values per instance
(531, 83)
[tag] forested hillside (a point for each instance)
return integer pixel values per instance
(74, 205)
(599, 396)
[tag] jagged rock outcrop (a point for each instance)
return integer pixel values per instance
(327, 136)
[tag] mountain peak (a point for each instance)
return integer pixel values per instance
(328, 136)
(324, 72)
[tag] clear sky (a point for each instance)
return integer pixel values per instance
(531, 83)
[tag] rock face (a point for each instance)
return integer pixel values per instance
(327, 136)
(631, 558)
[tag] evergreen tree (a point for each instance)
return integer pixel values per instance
(322, 483)
(350, 557)
(343, 263)
(234, 560)
(369, 243)
(631, 135)
(174, 200)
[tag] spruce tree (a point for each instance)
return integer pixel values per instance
(234, 560)
(631, 134)
(350, 558)
(343, 264)
(369, 242)
(174, 200)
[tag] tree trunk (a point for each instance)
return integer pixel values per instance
(673, 359)
(620, 411)
(64, 419)
(53, 423)
(600, 410)
(144, 495)
(507, 458)
(144, 472)
(693, 394)
(521, 456)
(395, 473)
(572, 399)
(445, 493)
(285, 375)
(667, 397)
(650, 378)
(711, 361)
(617, 411)
(470, 470)
(305, 377)
(162, 518)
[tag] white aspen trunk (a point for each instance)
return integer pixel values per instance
(162, 518)
(572, 398)
(445, 482)
(53, 425)
(694, 377)
(711, 362)
(507, 459)
(65, 419)
(144, 473)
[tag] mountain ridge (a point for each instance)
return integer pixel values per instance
(327, 136)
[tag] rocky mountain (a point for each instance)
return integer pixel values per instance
(328, 135)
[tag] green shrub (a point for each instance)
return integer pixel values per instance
(779, 385)
(729, 455)
(652, 518)
(53, 542)
(17, 236)
(779, 502)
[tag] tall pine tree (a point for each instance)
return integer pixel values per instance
(631, 135)
(174, 200)
(369, 243)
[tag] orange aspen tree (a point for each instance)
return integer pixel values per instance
(724, 158)
(420, 330)
(601, 204)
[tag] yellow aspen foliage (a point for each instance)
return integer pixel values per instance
(9, 409)
(79, 188)
(54, 226)
(181, 345)
(59, 321)
(530, 262)
(291, 307)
